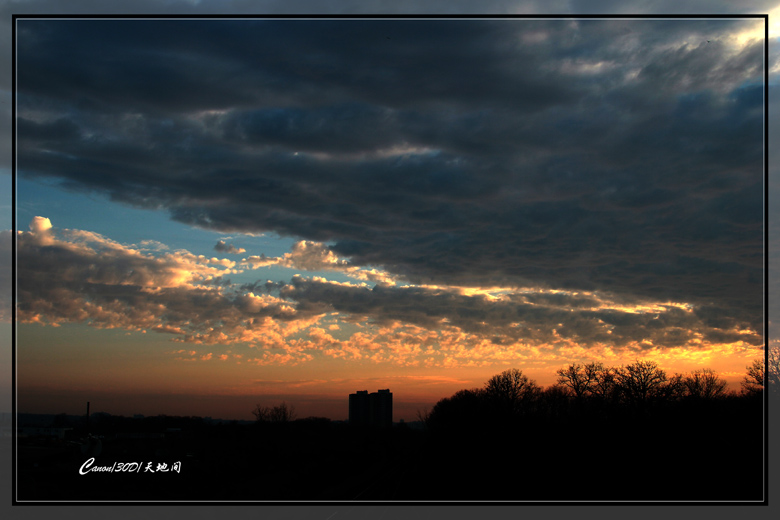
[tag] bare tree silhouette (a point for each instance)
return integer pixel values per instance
(757, 373)
(511, 385)
(753, 381)
(583, 380)
(704, 384)
(511, 391)
(423, 416)
(281, 413)
(643, 381)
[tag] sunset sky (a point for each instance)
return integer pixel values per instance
(213, 214)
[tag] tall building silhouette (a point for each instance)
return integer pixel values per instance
(375, 409)
(381, 408)
(359, 407)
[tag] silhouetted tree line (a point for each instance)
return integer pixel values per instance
(511, 399)
(615, 428)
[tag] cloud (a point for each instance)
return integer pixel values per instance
(530, 316)
(603, 156)
(224, 247)
(40, 225)
(153, 245)
(76, 276)
(316, 256)
(82, 277)
(306, 255)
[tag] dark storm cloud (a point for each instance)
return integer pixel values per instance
(616, 155)
(170, 66)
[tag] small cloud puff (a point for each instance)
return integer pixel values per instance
(40, 224)
(152, 245)
(224, 247)
(305, 255)
(316, 256)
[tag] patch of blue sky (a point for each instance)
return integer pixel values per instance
(152, 229)
(269, 244)
(130, 225)
(276, 273)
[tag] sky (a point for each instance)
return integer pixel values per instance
(217, 214)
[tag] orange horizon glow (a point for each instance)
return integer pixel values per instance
(205, 383)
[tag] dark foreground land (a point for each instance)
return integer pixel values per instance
(687, 452)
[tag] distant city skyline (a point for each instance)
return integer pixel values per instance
(213, 214)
